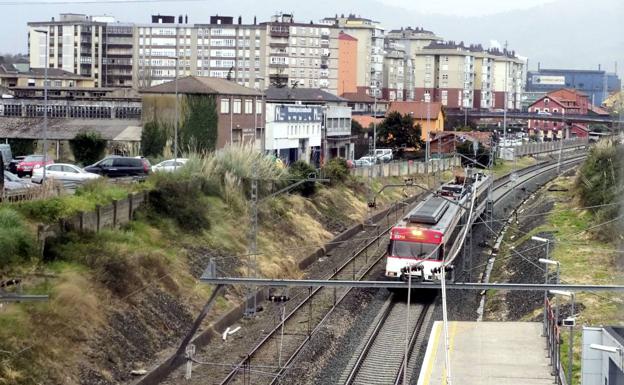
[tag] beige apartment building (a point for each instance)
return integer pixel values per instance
(460, 76)
(370, 49)
(301, 55)
(94, 46)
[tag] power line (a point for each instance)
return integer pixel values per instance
(95, 2)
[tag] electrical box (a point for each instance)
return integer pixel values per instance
(570, 322)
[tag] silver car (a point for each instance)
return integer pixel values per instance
(69, 174)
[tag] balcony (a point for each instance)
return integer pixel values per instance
(278, 44)
(279, 31)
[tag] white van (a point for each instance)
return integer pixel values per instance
(383, 154)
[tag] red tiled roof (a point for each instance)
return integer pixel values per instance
(345, 36)
(417, 109)
(484, 138)
(598, 110)
(366, 120)
(360, 97)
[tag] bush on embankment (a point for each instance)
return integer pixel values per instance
(600, 186)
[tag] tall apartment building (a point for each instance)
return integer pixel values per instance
(347, 64)
(92, 46)
(301, 55)
(462, 76)
(219, 49)
(370, 49)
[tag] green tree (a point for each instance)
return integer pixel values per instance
(356, 128)
(302, 170)
(153, 139)
(21, 147)
(88, 147)
(337, 170)
(399, 130)
(199, 129)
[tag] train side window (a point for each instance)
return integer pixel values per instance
(389, 250)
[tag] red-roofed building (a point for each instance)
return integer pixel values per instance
(420, 111)
(565, 101)
(445, 142)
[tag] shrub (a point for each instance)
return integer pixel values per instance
(22, 147)
(179, 200)
(16, 241)
(153, 140)
(337, 170)
(199, 128)
(302, 170)
(88, 147)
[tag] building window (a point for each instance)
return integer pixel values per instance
(546, 101)
(258, 107)
(248, 106)
(236, 108)
(225, 106)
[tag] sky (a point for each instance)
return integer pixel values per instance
(577, 34)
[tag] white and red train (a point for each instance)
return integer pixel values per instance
(427, 236)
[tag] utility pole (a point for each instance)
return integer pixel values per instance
(177, 117)
(45, 102)
(252, 268)
(427, 149)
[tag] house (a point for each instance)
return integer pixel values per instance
(238, 108)
(561, 102)
(429, 116)
(362, 103)
(307, 124)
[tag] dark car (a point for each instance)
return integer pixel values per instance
(14, 162)
(120, 166)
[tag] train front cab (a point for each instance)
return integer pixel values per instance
(414, 249)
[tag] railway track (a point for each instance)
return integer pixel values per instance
(305, 319)
(382, 357)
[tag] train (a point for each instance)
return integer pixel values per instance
(425, 238)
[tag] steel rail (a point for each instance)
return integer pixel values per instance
(313, 294)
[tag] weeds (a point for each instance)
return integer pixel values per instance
(16, 241)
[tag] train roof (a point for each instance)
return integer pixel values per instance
(430, 212)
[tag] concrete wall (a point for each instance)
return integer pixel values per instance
(113, 215)
(405, 168)
(507, 153)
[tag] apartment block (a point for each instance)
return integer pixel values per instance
(301, 55)
(93, 46)
(462, 76)
(370, 49)
(73, 44)
(220, 49)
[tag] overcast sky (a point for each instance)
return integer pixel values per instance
(557, 33)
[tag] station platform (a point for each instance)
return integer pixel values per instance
(488, 353)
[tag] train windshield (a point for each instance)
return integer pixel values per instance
(414, 250)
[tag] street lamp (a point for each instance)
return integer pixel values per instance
(605, 348)
(546, 241)
(550, 262)
(570, 323)
(175, 123)
(45, 103)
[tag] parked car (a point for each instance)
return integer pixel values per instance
(6, 156)
(169, 165)
(364, 161)
(120, 166)
(30, 162)
(68, 174)
(13, 183)
(14, 162)
(384, 154)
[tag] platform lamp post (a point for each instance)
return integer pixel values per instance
(176, 114)
(546, 241)
(45, 103)
(550, 262)
(570, 323)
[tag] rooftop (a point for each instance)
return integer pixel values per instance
(360, 97)
(202, 85)
(12, 70)
(345, 36)
(66, 129)
(417, 109)
(301, 94)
